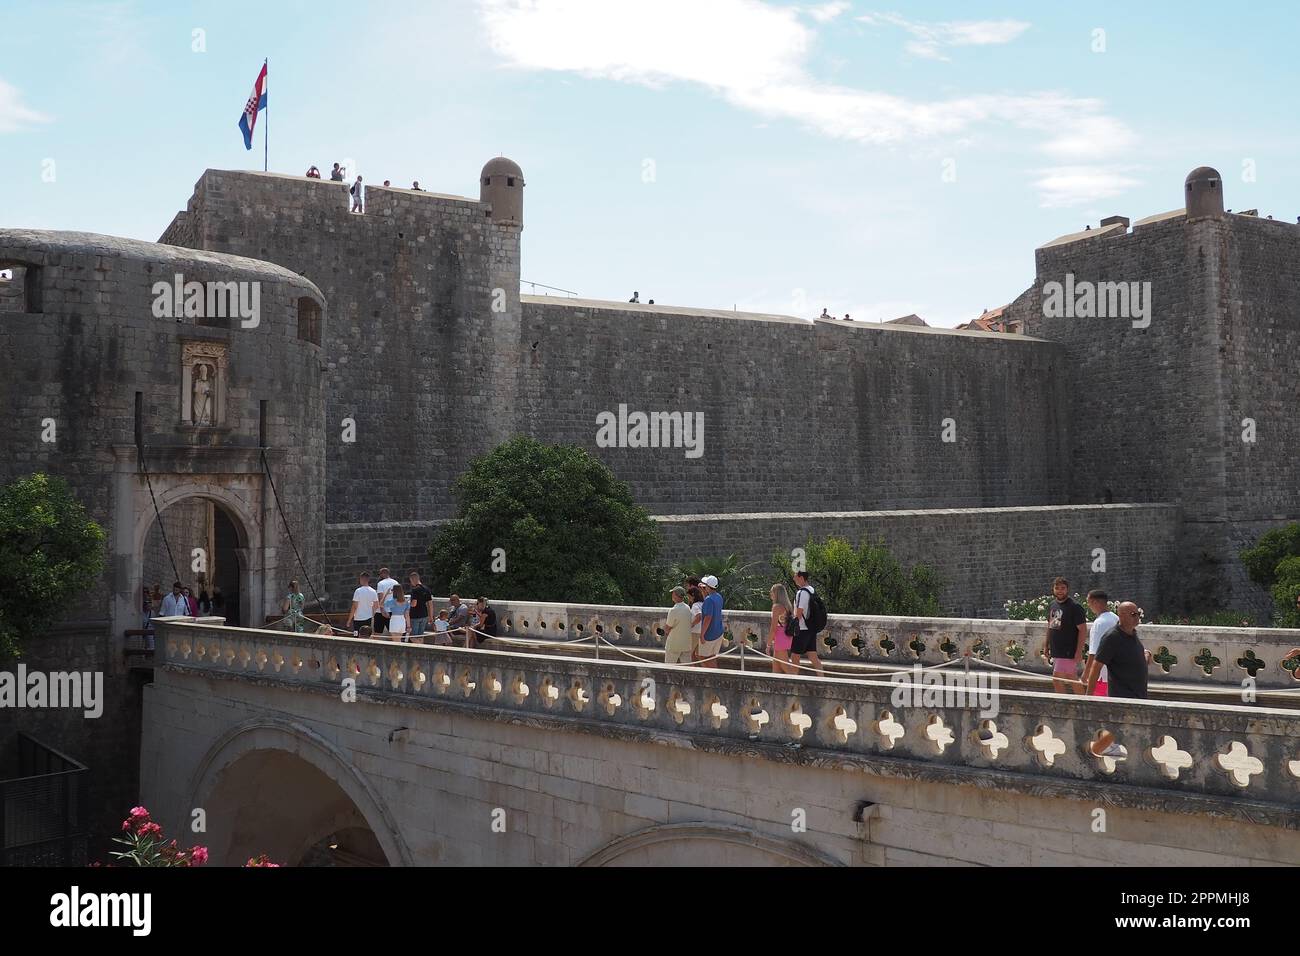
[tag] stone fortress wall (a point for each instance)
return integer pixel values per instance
(79, 348)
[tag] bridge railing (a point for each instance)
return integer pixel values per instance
(1200, 655)
(1213, 751)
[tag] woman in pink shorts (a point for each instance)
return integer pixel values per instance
(777, 639)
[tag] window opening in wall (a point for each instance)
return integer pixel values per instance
(309, 314)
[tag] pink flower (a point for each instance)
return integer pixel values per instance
(149, 829)
(126, 824)
(199, 855)
(139, 813)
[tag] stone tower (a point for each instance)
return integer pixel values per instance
(501, 184)
(1203, 192)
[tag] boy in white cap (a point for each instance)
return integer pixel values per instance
(710, 621)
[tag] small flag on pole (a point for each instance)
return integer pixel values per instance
(255, 103)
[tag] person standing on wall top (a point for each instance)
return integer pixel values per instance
(336, 174)
(1067, 636)
(416, 186)
(825, 314)
(364, 599)
(420, 598)
(710, 622)
(1094, 674)
(356, 191)
(636, 297)
(1122, 654)
(804, 642)
(386, 584)
(678, 643)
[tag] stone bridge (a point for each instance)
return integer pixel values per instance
(282, 743)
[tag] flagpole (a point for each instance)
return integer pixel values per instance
(266, 124)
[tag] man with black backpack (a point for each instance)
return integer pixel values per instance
(810, 616)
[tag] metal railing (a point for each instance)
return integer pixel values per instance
(42, 807)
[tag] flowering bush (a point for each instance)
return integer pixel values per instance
(145, 845)
(262, 860)
(1035, 609)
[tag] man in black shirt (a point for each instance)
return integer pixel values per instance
(1067, 636)
(420, 598)
(1127, 660)
(487, 623)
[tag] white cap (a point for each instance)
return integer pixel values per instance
(710, 580)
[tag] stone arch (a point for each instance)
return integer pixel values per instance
(239, 505)
(699, 844)
(263, 734)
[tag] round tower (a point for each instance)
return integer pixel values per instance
(502, 185)
(1203, 192)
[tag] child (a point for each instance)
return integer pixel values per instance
(440, 635)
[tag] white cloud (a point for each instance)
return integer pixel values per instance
(13, 114)
(931, 38)
(826, 12)
(1061, 186)
(753, 55)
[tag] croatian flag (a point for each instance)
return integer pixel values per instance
(255, 103)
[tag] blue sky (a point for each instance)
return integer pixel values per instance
(876, 159)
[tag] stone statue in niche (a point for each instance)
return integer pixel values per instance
(203, 394)
(203, 383)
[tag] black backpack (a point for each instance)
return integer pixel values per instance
(816, 611)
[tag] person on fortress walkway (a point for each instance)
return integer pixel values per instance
(485, 619)
(1094, 674)
(458, 618)
(336, 174)
(1067, 635)
(313, 172)
(1122, 653)
(825, 314)
(678, 643)
(778, 641)
(398, 606)
(804, 642)
(846, 317)
(387, 184)
(636, 297)
(696, 599)
(710, 621)
(292, 606)
(416, 186)
(356, 191)
(386, 584)
(440, 635)
(364, 599)
(420, 598)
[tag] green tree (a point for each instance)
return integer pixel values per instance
(50, 552)
(539, 522)
(867, 579)
(1274, 563)
(1261, 561)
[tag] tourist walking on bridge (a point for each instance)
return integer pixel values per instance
(420, 598)
(398, 607)
(1067, 636)
(458, 619)
(778, 642)
(1095, 676)
(710, 622)
(385, 586)
(679, 641)
(292, 608)
(364, 599)
(804, 642)
(1122, 654)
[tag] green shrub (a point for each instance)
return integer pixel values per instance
(744, 587)
(867, 579)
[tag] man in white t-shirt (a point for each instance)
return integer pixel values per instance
(384, 588)
(364, 599)
(804, 643)
(1106, 622)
